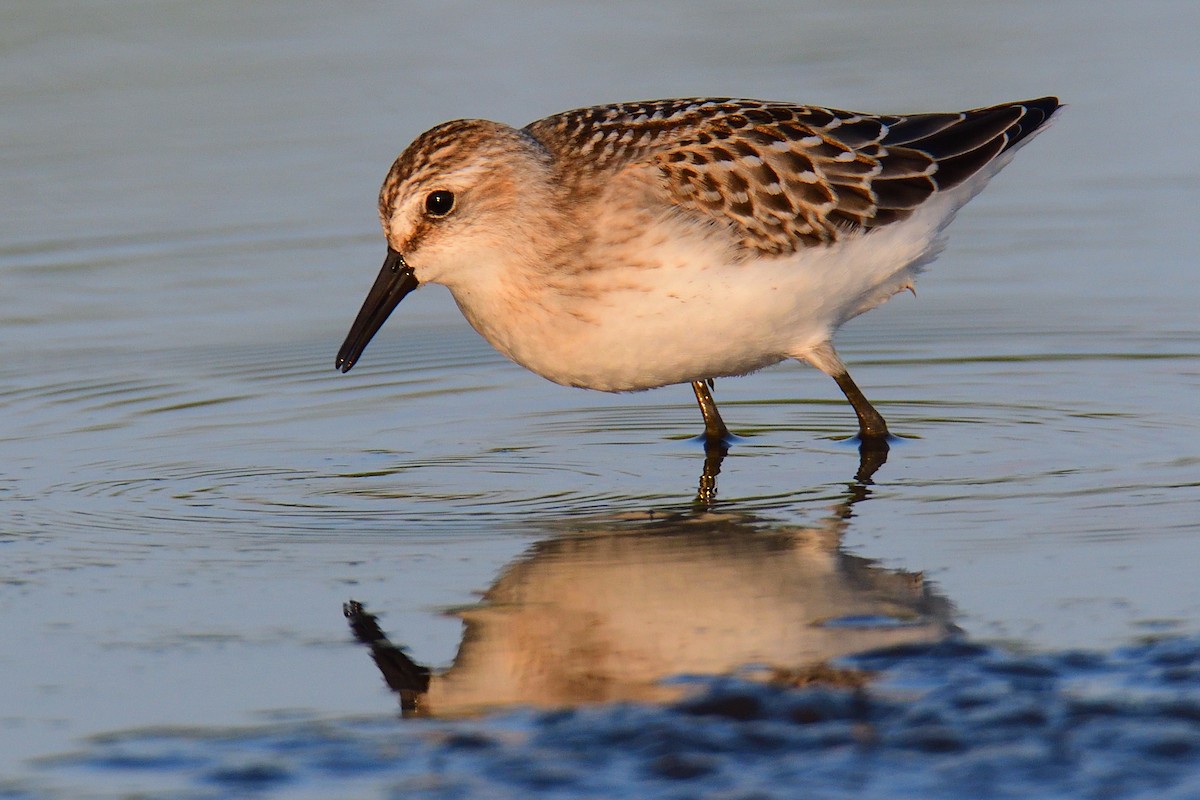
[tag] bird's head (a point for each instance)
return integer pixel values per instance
(459, 207)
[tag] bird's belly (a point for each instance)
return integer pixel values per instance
(629, 329)
(629, 360)
(640, 339)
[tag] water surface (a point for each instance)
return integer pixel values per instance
(191, 492)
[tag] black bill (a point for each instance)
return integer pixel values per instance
(395, 280)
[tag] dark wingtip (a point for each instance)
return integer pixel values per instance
(1037, 112)
(1047, 105)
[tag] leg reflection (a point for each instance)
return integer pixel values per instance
(872, 454)
(714, 454)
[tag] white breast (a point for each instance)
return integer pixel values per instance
(699, 313)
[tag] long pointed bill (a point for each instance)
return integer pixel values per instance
(395, 280)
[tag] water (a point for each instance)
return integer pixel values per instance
(972, 722)
(190, 492)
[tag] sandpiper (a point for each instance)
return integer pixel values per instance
(635, 245)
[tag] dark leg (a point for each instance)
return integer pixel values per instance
(715, 432)
(872, 430)
(716, 444)
(871, 427)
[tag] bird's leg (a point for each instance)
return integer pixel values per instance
(872, 430)
(716, 443)
(871, 427)
(715, 432)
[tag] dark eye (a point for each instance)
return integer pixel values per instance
(439, 203)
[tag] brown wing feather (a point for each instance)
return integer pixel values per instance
(782, 176)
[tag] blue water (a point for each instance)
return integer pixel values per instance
(946, 721)
(190, 492)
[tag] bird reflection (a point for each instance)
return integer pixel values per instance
(872, 454)
(608, 611)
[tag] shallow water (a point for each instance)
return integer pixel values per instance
(191, 492)
(950, 721)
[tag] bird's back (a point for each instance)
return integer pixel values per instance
(784, 177)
